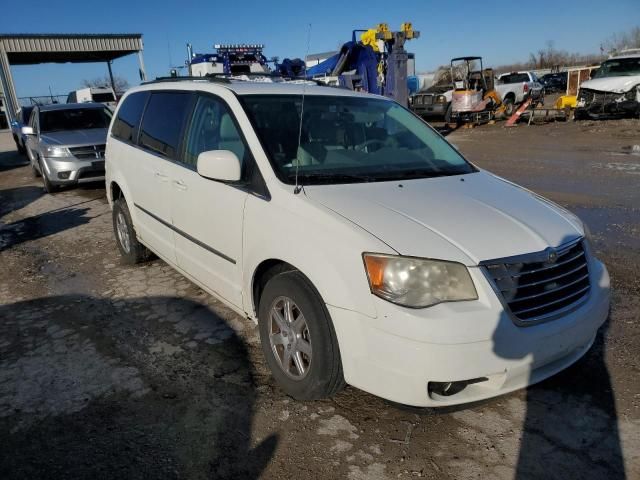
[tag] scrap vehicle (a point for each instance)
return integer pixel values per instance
(66, 142)
(474, 98)
(21, 120)
(104, 95)
(230, 59)
(516, 88)
(377, 63)
(434, 102)
(554, 82)
(614, 89)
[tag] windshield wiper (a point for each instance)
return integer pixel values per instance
(337, 177)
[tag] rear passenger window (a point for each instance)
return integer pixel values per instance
(125, 126)
(163, 121)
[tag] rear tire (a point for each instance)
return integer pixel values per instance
(509, 107)
(308, 329)
(131, 249)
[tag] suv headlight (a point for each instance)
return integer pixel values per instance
(53, 151)
(441, 99)
(418, 282)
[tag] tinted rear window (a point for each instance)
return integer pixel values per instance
(125, 126)
(103, 97)
(514, 78)
(163, 121)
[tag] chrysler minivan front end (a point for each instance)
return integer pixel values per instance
(487, 287)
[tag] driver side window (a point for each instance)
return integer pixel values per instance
(212, 128)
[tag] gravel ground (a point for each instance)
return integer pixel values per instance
(111, 371)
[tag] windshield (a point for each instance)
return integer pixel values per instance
(74, 119)
(621, 67)
(348, 140)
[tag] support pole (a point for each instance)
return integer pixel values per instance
(143, 74)
(113, 84)
(6, 80)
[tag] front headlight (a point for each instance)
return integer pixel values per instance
(58, 152)
(418, 282)
(441, 99)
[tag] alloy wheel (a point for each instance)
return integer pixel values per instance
(123, 232)
(289, 338)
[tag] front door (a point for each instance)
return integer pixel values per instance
(207, 214)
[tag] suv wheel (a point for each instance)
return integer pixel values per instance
(48, 186)
(298, 339)
(131, 249)
(34, 170)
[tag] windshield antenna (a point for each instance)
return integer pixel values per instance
(298, 188)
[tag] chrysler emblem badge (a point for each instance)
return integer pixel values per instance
(552, 256)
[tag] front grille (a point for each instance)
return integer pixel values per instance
(89, 151)
(427, 99)
(595, 97)
(543, 285)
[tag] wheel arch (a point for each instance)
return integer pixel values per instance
(265, 271)
(115, 191)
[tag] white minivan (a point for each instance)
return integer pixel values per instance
(367, 249)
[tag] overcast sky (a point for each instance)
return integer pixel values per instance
(501, 31)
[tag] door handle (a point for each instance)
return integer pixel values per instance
(161, 177)
(179, 184)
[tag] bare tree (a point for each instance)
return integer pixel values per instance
(620, 41)
(121, 83)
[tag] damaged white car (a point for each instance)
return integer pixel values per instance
(614, 90)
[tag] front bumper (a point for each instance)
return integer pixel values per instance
(398, 354)
(71, 171)
(593, 104)
(433, 110)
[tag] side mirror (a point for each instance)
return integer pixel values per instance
(27, 131)
(219, 165)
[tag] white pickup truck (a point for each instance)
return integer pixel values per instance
(516, 87)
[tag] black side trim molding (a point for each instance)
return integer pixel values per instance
(186, 235)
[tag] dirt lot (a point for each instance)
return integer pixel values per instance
(110, 371)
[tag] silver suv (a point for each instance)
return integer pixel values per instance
(65, 143)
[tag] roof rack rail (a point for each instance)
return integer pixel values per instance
(209, 78)
(229, 77)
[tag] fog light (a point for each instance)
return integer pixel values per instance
(446, 389)
(63, 175)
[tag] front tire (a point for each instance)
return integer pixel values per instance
(298, 339)
(447, 115)
(46, 183)
(131, 249)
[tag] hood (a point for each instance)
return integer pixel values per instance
(463, 218)
(93, 136)
(612, 84)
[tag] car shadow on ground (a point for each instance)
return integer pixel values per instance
(90, 391)
(571, 423)
(12, 159)
(12, 199)
(42, 225)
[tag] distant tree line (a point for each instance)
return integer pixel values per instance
(120, 83)
(550, 56)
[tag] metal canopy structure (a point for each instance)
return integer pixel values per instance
(32, 49)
